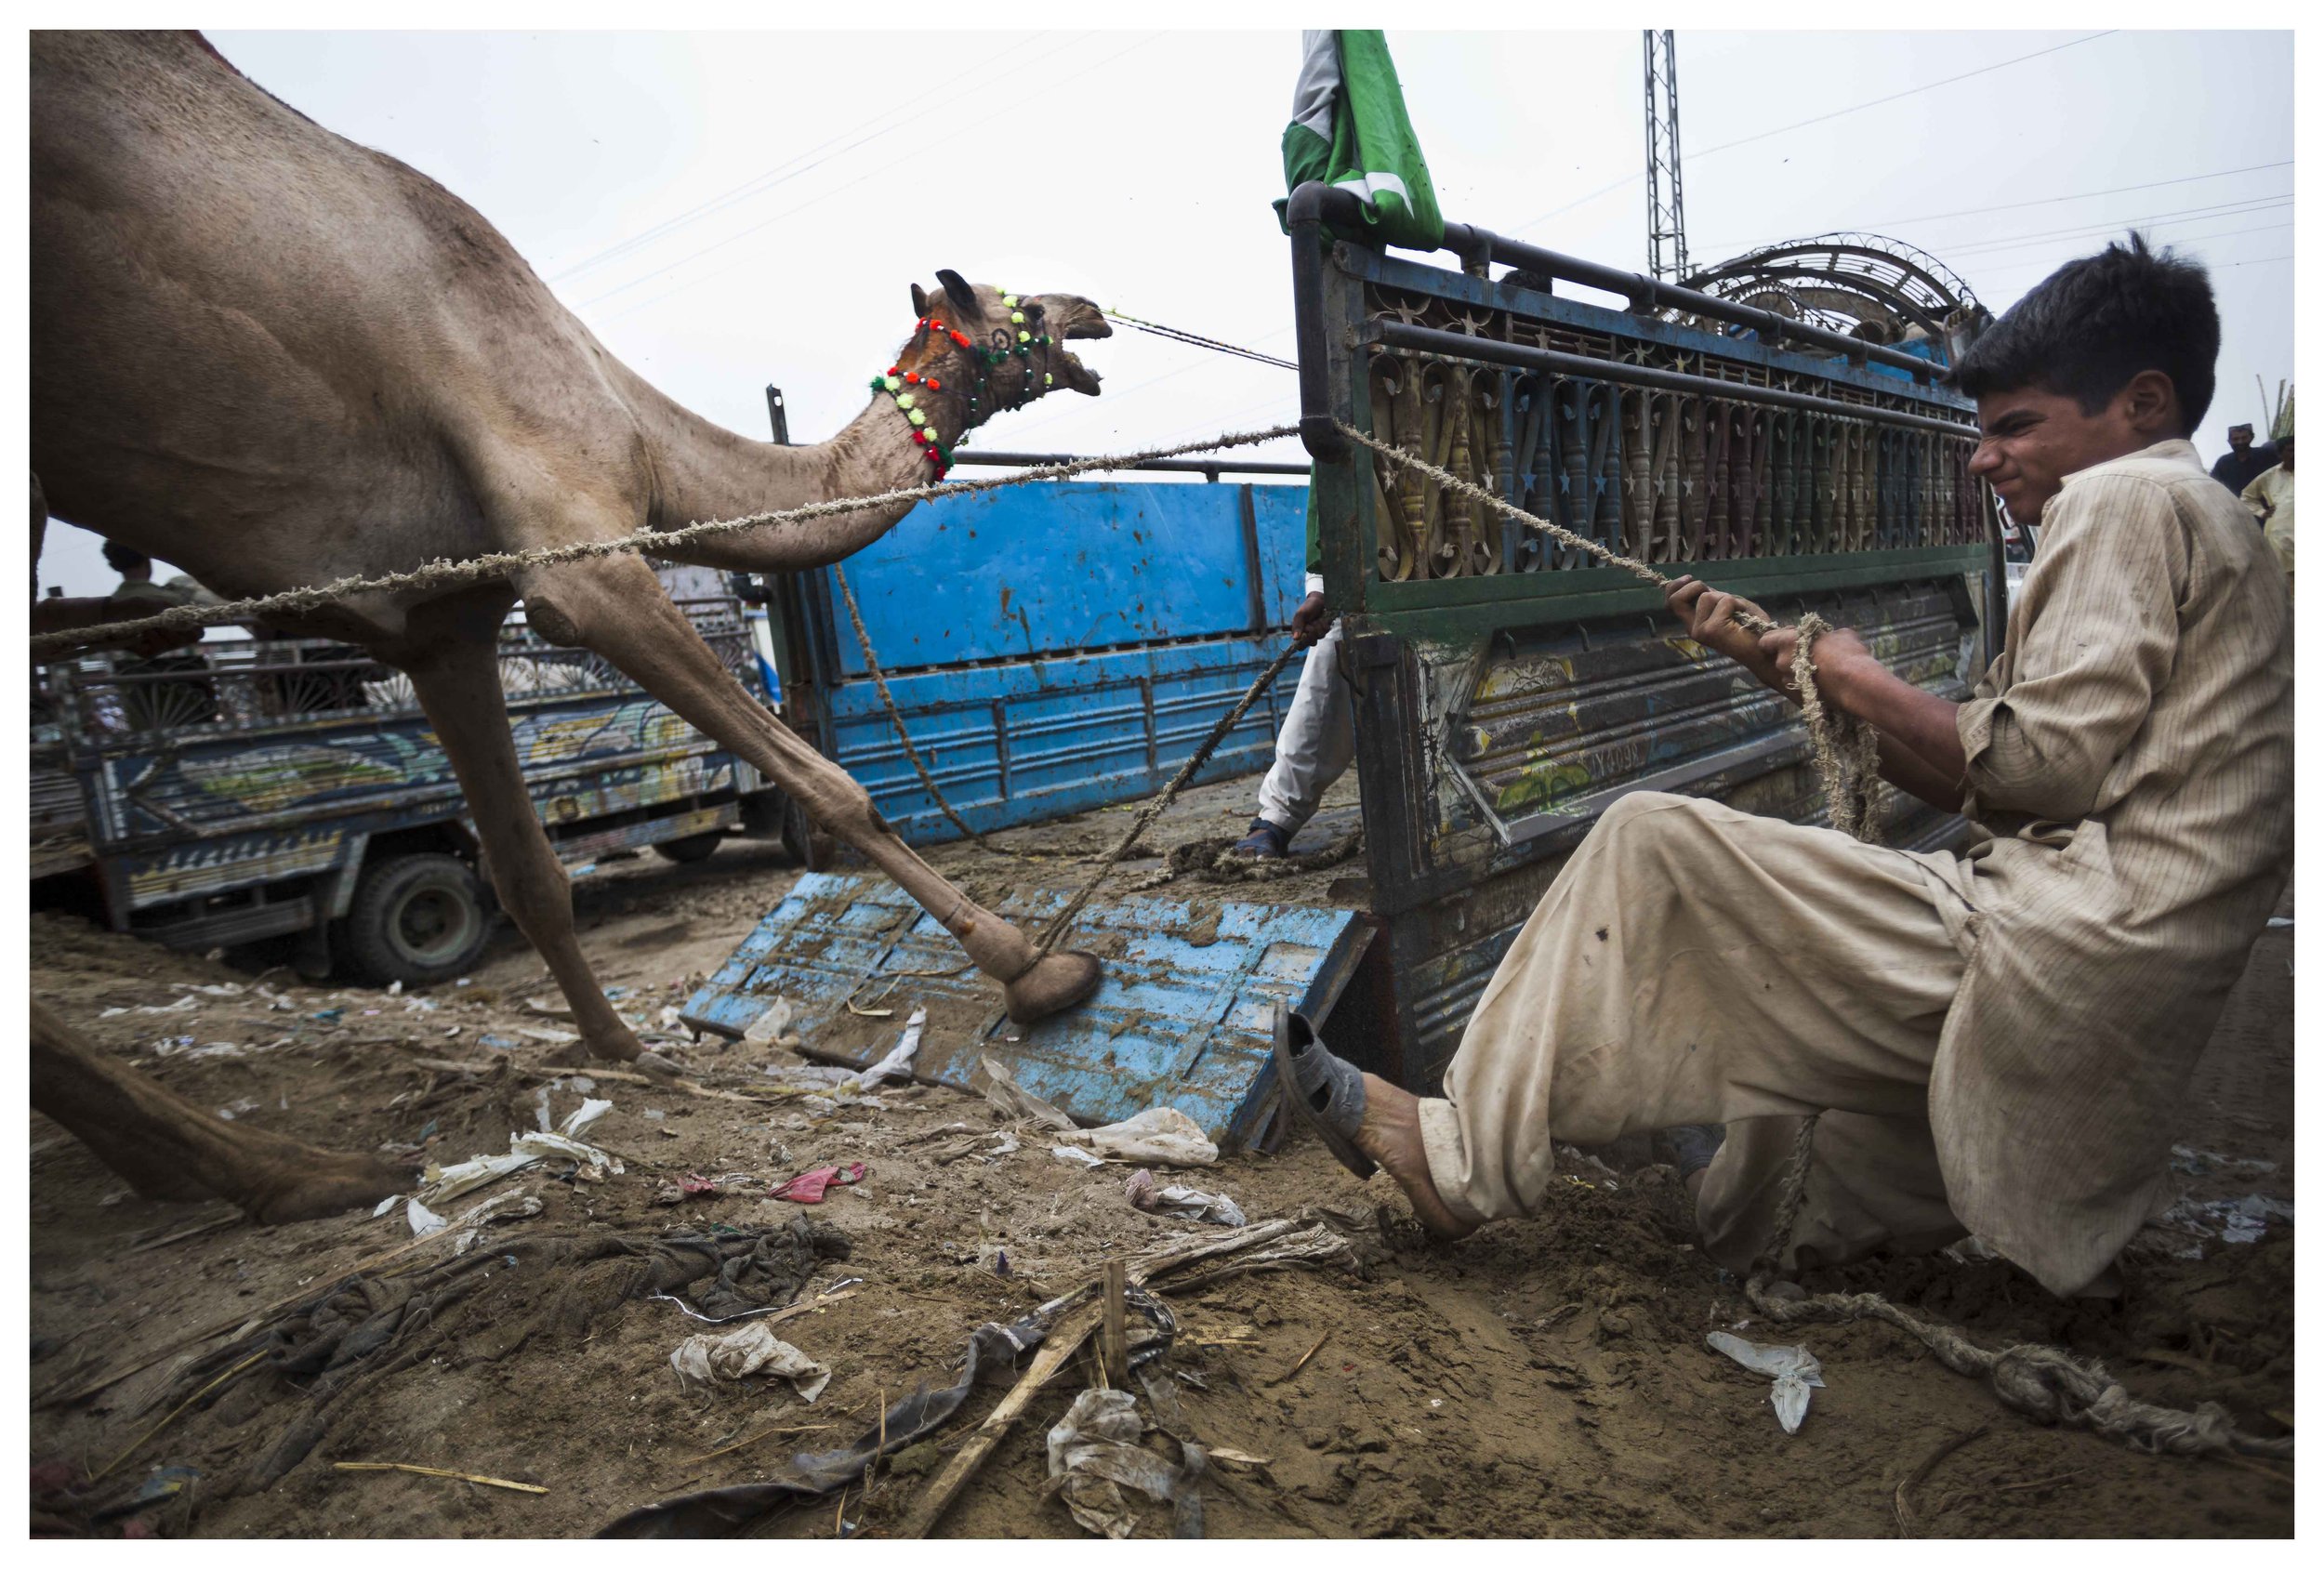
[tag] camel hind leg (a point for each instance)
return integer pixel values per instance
(168, 1148)
(617, 608)
(457, 676)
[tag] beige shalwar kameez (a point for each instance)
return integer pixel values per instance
(1999, 1039)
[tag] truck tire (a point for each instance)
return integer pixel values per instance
(417, 918)
(694, 846)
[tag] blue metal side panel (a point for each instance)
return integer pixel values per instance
(1281, 513)
(1025, 742)
(1183, 1019)
(1060, 647)
(1048, 569)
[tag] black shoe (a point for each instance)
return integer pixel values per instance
(1689, 1148)
(1264, 842)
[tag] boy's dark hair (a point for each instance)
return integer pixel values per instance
(122, 558)
(2096, 322)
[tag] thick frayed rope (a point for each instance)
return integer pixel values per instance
(499, 564)
(2045, 1383)
(1058, 927)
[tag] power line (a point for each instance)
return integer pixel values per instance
(2176, 240)
(2183, 240)
(1874, 103)
(2182, 215)
(764, 180)
(2009, 207)
(792, 212)
(1817, 120)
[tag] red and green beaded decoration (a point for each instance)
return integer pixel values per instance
(897, 378)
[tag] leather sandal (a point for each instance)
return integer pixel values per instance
(1323, 1091)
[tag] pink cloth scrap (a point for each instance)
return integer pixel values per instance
(809, 1187)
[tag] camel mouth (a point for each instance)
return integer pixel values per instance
(1076, 374)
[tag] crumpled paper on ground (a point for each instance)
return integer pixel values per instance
(739, 1353)
(1180, 1203)
(898, 1062)
(1794, 1369)
(1163, 1135)
(592, 1163)
(1096, 1445)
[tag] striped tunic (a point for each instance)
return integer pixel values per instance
(2130, 781)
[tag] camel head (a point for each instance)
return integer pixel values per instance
(1002, 349)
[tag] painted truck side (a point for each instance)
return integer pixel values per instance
(254, 787)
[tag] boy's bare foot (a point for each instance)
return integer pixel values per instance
(1391, 1135)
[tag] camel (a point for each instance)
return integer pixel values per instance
(276, 357)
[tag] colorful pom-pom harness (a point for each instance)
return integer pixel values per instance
(1016, 340)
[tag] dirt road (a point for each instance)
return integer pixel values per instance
(1546, 1378)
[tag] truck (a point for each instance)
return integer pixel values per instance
(254, 787)
(1507, 689)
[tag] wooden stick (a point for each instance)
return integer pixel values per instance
(434, 1470)
(1303, 1362)
(754, 1438)
(1055, 1352)
(1113, 1338)
(1066, 1339)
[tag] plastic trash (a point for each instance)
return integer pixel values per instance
(1075, 1155)
(898, 1062)
(740, 1354)
(1159, 1135)
(1180, 1203)
(771, 1025)
(809, 1187)
(992, 1080)
(1094, 1447)
(590, 1164)
(1794, 1369)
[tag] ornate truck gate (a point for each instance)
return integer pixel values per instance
(1508, 690)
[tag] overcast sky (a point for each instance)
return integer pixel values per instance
(727, 210)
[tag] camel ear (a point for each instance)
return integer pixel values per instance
(920, 300)
(957, 289)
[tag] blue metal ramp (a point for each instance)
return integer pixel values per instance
(1183, 1017)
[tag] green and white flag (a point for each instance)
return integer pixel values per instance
(1349, 130)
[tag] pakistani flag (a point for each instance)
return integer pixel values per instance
(1348, 129)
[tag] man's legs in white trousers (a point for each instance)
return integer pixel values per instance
(1317, 742)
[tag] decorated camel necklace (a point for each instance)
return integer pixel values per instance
(1016, 340)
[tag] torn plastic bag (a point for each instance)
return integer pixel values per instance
(898, 1062)
(809, 1187)
(723, 1511)
(739, 1353)
(1159, 1135)
(1095, 1447)
(1794, 1369)
(1181, 1203)
(527, 1149)
(992, 1080)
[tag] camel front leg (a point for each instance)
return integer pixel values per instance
(169, 1148)
(618, 609)
(457, 680)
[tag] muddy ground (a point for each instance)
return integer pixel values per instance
(1545, 1377)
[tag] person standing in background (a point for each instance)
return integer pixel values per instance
(2269, 496)
(2243, 462)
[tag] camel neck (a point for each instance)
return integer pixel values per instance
(702, 471)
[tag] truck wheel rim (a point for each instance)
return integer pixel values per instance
(433, 924)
